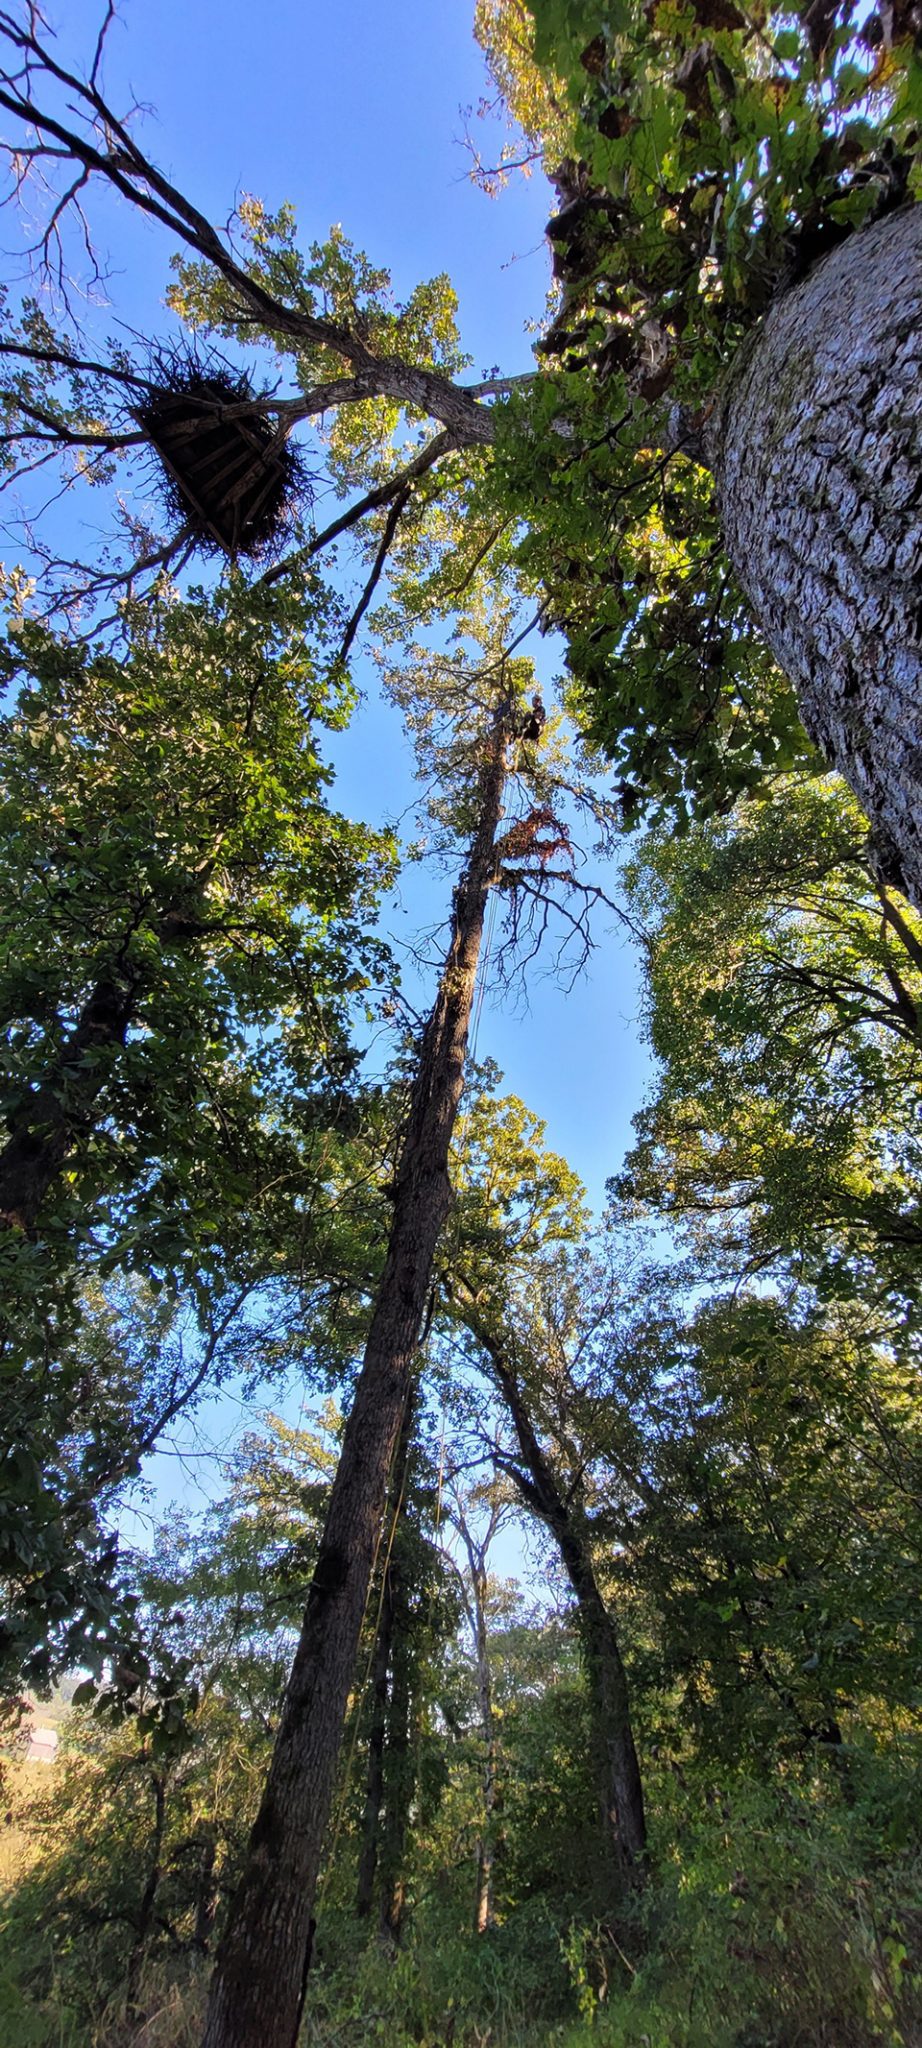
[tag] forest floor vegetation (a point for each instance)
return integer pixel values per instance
(783, 1915)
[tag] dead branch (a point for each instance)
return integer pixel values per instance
(536, 896)
(390, 527)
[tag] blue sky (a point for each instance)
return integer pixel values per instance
(354, 114)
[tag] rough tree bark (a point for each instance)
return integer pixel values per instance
(260, 1978)
(816, 445)
(620, 1784)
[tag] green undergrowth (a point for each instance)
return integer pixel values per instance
(780, 1916)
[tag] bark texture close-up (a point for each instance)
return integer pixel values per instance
(817, 450)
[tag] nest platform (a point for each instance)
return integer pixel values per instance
(230, 475)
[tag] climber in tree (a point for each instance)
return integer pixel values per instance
(535, 720)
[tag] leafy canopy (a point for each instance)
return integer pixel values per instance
(711, 154)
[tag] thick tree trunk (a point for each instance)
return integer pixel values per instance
(817, 450)
(620, 1784)
(55, 1114)
(258, 1988)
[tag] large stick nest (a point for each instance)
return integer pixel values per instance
(231, 475)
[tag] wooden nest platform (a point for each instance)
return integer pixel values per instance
(230, 475)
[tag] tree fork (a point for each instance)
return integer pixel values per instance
(260, 1978)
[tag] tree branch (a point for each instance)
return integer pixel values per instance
(390, 527)
(381, 495)
(106, 149)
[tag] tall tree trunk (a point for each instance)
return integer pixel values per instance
(486, 1846)
(620, 1784)
(257, 1992)
(381, 1672)
(816, 445)
(145, 1918)
(398, 1774)
(45, 1128)
(374, 1776)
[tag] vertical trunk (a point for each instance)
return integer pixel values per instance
(260, 1978)
(816, 444)
(381, 1669)
(44, 1129)
(398, 1772)
(148, 1902)
(206, 1899)
(374, 1778)
(486, 1847)
(620, 1784)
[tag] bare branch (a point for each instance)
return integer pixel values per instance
(101, 145)
(100, 41)
(390, 527)
(372, 501)
(107, 583)
(65, 360)
(60, 431)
